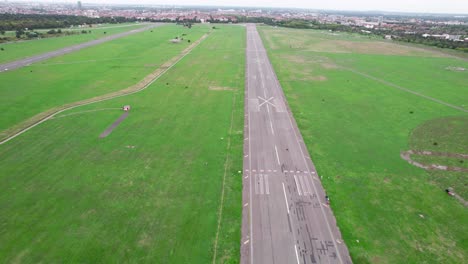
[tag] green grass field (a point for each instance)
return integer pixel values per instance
(23, 49)
(150, 192)
(93, 71)
(355, 123)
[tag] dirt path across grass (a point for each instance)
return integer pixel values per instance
(19, 129)
(406, 155)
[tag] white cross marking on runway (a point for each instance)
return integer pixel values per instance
(266, 101)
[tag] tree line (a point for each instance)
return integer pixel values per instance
(36, 21)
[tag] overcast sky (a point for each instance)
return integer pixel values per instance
(423, 6)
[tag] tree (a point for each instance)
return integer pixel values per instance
(19, 32)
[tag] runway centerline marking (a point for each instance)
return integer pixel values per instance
(267, 186)
(297, 255)
(285, 198)
(277, 156)
(297, 185)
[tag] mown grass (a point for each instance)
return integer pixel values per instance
(90, 72)
(445, 135)
(26, 48)
(355, 128)
(147, 193)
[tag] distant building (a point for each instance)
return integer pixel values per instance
(126, 108)
(388, 36)
(79, 4)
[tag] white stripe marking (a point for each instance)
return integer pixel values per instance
(256, 184)
(307, 185)
(304, 187)
(261, 184)
(267, 186)
(297, 255)
(272, 130)
(285, 198)
(277, 156)
(297, 185)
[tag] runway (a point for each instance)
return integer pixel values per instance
(9, 66)
(285, 216)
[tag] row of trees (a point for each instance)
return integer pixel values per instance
(31, 34)
(33, 21)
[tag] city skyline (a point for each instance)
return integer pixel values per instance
(414, 6)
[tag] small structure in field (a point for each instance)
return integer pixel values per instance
(126, 108)
(176, 40)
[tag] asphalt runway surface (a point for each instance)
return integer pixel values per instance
(286, 218)
(44, 56)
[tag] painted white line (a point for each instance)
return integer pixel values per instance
(256, 184)
(267, 186)
(261, 184)
(297, 185)
(274, 170)
(246, 204)
(307, 185)
(246, 156)
(271, 126)
(247, 241)
(261, 170)
(285, 198)
(304, 189)
(297, 255)
(277, 156)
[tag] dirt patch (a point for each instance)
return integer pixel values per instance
(406, 155)
(88, 213)
(458, 69)
(144, 240)
(324, 62)
(329, 65)
(318, 78)
(371, 47)
(220, 88)
(294, 58)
